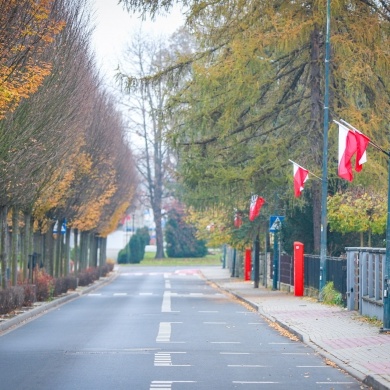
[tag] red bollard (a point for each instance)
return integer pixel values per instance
(298, 269)
(248, 264)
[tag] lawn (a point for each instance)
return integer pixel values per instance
(210, 259)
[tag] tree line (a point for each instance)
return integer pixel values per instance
(251, 96)
(65, 162)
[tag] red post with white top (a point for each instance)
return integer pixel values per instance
(298, 269)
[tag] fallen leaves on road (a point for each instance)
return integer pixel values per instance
(330, 363)
(281, 330)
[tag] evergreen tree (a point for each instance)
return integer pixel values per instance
(180, 238)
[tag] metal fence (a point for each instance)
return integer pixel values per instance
(336, 272)
(366, 270)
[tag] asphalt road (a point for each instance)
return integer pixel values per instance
(159, 329)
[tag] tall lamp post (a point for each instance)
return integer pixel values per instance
(324, 188)
(386, 286)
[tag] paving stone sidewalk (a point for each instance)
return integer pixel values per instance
(337, 334)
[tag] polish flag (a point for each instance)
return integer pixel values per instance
(300, 177)
(362, 142)
(347, 148)
(256, 203)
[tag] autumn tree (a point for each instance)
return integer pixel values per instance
(358, 210)
(27, 27)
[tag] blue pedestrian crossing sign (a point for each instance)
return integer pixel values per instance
(275, 223)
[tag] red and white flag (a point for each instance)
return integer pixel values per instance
(362, 142)
(351, 141)
(347, 148)
(300, 177)
(256, 203)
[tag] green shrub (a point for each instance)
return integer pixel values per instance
(331, 296)
(134, 251)
(181, 238)
(124, 255)
(137, 249)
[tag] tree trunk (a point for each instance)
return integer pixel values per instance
(76, 251)
(26, 244)
(159, 235)
(57, 242)
(50, 250)
(4, 245)
(103, 250)
(14, 244)
(94, 250)
(67, 251)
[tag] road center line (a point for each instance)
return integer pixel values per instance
(166, 303)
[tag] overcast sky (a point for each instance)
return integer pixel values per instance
(115, 26)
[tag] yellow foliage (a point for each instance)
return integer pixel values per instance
(211, 225)
(57, 191)
(113, 222)
(26, 28)
(357, 211)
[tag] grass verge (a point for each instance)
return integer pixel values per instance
(149, 260)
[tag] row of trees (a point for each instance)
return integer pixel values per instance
(64, 158)
(249, 97)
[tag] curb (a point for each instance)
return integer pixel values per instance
(47, 306)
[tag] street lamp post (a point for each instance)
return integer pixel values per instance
(386, 285)
(324, 187)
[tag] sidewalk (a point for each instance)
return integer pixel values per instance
(339, 335)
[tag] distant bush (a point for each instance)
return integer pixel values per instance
(106, 269)
(70, 282)
(124, 255)
(134, 251)
(45, 285)
(181, 238)
(137, 249)
(11, 298)
(30, 294)
(88, 276)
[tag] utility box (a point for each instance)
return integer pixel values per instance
(248, 264)
(298, 269)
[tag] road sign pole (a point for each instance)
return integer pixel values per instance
(275, 263)
(256, 263)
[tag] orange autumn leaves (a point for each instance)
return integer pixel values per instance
(26, 28)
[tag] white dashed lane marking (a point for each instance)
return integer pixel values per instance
(164, 359)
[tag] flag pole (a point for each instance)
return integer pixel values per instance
(324, 187)
(376, 146)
